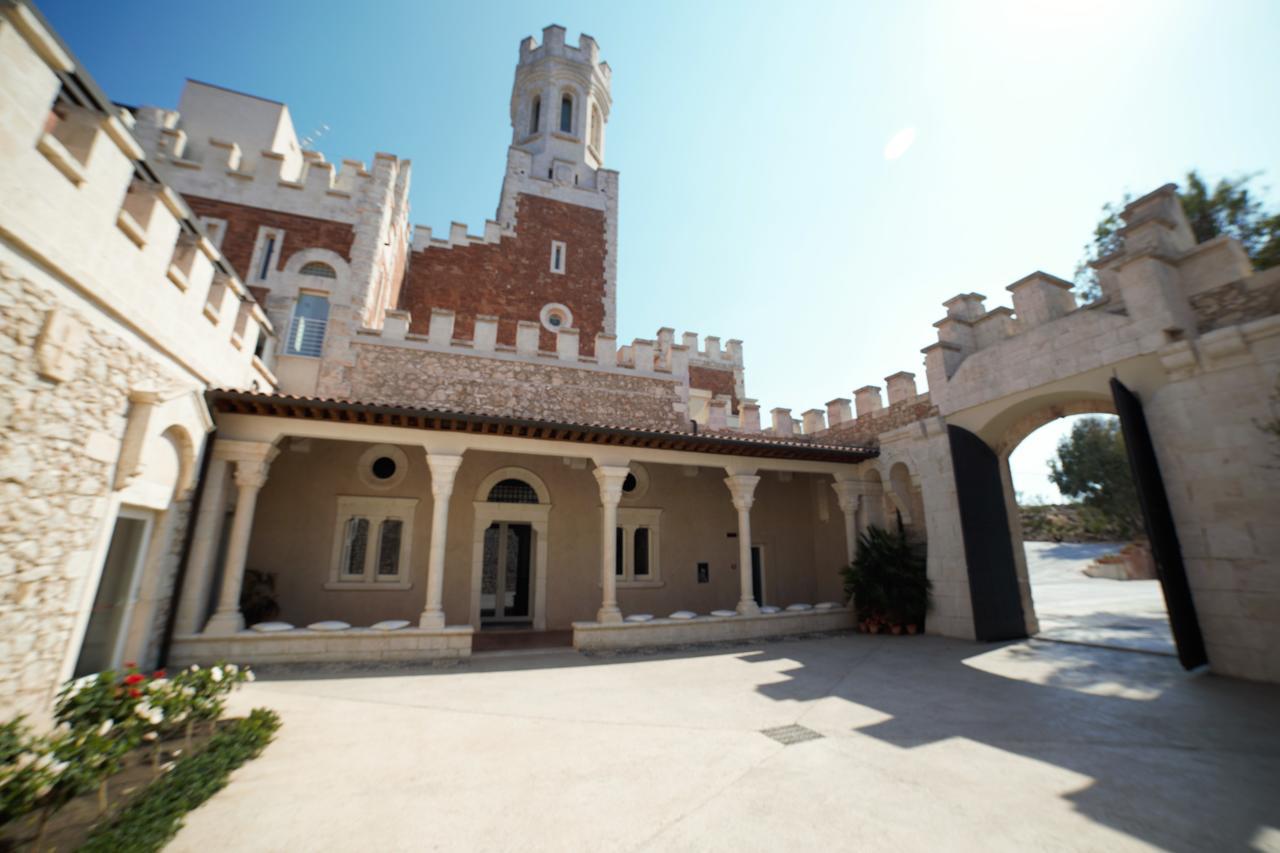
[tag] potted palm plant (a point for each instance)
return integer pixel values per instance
(888, 582)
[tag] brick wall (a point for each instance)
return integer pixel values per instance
(713, 380)
(300, 232)
(512, 279)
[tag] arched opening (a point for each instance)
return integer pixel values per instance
(319, 269)
(535, 114)
(509, 551)
(566, 113)
(1077, 530)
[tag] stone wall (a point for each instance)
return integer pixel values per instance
(1238, 302)
(512, 387)
(58, 447)
(512, 278)
(866, 430)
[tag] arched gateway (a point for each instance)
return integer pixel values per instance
(1184, 345)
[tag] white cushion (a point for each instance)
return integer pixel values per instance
(271, 627)
(770, 608)
(330, 625)
(799, 607)
(827, 605)
(724, 613)
(683, 614)
(639, 617)
(390, 625)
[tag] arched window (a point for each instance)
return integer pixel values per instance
(566, 113)
(318, 269)
(512, 492)
(596, 128)
(535, 114)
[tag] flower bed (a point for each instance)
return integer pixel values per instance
(115, 733)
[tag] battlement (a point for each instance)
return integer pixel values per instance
(553, 45)
(214, 152)
(709, 354)
(84, 179)
(641, 356)
(860, 419)
(424, 239)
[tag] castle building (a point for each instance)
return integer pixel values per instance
(250, 412)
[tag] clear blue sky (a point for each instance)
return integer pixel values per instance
(756, 200)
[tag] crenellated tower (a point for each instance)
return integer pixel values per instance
(560, 106)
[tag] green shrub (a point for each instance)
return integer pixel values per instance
(150, 821)
(888, 580)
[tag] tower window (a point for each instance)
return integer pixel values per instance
(266, 257)
(566, 114)
(318, 269)
(557, 256)
(535, 115)
(596, 128)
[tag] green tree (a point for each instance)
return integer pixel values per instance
(1093, 468)
(1232, 207)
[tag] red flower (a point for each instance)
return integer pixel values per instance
(159, 673)
(134, 692)
(134, 678)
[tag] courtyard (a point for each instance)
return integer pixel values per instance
(902, 743)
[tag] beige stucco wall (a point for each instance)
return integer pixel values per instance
(294, 532)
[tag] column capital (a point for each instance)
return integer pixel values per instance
(444, 467)
(611, 478)
(848, 494)
(742, 488)
(251, 471)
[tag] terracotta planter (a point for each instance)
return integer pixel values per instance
(913, 629)
(897, 629)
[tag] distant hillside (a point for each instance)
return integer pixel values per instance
(1067, 523)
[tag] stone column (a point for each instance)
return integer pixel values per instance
(848, 496)
(610, 478)
(444, 467)
(204, 547)
(252, 461)
(743, 487)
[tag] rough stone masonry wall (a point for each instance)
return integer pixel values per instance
(57, 458)
(866, 430)
(300, 232)
(512, 388)
(1238, 302)
(512, 279)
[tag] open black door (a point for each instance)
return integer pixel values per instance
(1160, 530)
(988, 545)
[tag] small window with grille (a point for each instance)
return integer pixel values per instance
(318, 269)
(636, 547)
(512, 492)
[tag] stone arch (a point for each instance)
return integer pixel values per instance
(1045, 414)
(185, 447)
(342, 270)
(513, 473)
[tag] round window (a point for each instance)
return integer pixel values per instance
(384, 467)
(555, 316)
(629, 484)
(636, 485)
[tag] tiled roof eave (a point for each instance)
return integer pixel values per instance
(356, 412)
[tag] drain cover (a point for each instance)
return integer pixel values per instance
(787, 735)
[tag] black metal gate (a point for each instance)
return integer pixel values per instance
(1160, 529)
(988, 544)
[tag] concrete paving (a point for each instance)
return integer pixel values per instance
(1076, 608)
(926, 743)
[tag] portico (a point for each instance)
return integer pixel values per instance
(524, 526)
